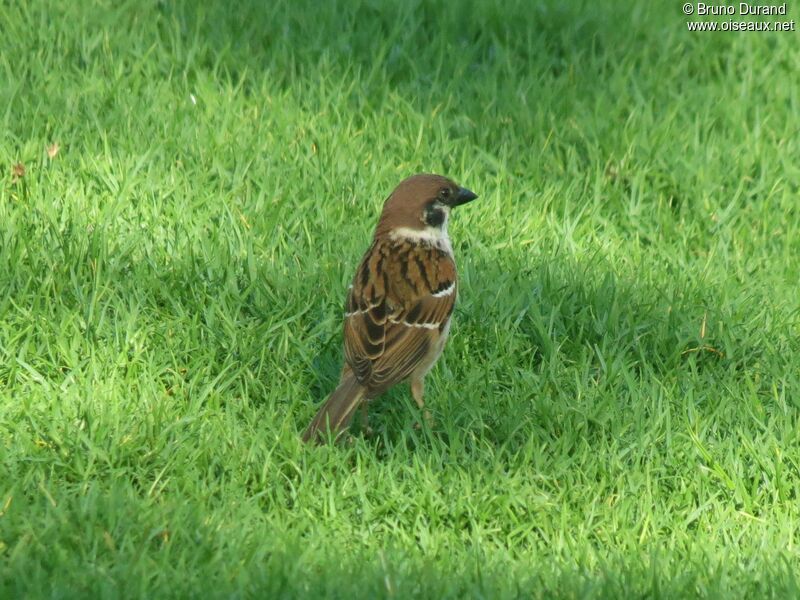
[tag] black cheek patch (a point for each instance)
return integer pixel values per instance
(434, 217)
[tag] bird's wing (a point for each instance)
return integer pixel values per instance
(400, 301)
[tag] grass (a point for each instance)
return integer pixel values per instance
(617, 410)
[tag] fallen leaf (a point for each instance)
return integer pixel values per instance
(17, 172)
(53, 149)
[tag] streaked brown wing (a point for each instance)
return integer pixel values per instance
(400, 301)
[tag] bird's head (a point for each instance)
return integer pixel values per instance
(420, 206)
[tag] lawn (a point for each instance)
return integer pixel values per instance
(186, 189)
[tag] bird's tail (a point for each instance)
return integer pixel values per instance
(338, 410)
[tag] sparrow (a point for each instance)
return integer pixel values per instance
(398, 307)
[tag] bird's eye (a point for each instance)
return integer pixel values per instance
(444, 193)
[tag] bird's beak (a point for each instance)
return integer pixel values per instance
(463, 196)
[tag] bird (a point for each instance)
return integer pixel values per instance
(399, 304)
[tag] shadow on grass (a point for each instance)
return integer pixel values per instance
(552, 321)
(522, 319)
(573, 307)
(424, 51)
(394, 36)
(273, 560)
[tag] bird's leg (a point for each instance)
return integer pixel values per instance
(365, 428)
(418, 391)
